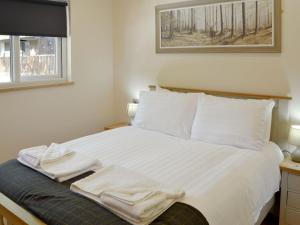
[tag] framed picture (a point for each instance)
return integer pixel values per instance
(210, 26)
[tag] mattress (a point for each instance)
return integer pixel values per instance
(228, 185)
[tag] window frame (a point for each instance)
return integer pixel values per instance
(10, 62)
(15, 65)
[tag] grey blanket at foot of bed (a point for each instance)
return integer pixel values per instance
(55, 204)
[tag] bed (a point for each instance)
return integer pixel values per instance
(227, 185)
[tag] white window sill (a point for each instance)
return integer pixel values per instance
(33, 85)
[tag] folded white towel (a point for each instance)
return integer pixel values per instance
(36, 156)
(33, 156)
(132, 196)
(54, 153)
(71, 164)
(144, 211)
(58, 163)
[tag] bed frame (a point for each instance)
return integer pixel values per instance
(13, 214)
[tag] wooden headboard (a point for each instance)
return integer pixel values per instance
(280, 123)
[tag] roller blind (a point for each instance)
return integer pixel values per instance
(33, 18)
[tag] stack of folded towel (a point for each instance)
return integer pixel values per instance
(131, 196)
(57, 162)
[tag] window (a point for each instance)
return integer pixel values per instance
(33, 44)
(4, 59)
(40, 56)
(31, 58)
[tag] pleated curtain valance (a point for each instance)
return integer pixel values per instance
(46, 18)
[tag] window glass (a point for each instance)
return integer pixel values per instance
(4, 59)
(39, 56)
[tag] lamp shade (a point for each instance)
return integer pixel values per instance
(131, 110)
(294, 138)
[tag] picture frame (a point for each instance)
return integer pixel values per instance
(219, 26)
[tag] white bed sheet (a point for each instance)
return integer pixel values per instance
(228, 185)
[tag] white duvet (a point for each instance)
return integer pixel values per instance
(228, 185)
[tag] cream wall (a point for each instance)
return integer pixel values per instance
(137, 65)
(42, 116)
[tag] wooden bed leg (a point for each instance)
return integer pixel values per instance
(1, 220)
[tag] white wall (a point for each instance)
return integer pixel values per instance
(42, 116)
(137, 65)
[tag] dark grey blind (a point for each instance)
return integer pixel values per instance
(33, 18)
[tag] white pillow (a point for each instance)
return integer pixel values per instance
(167, 112)
(235, 122)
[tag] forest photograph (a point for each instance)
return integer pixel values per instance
(225, 24)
